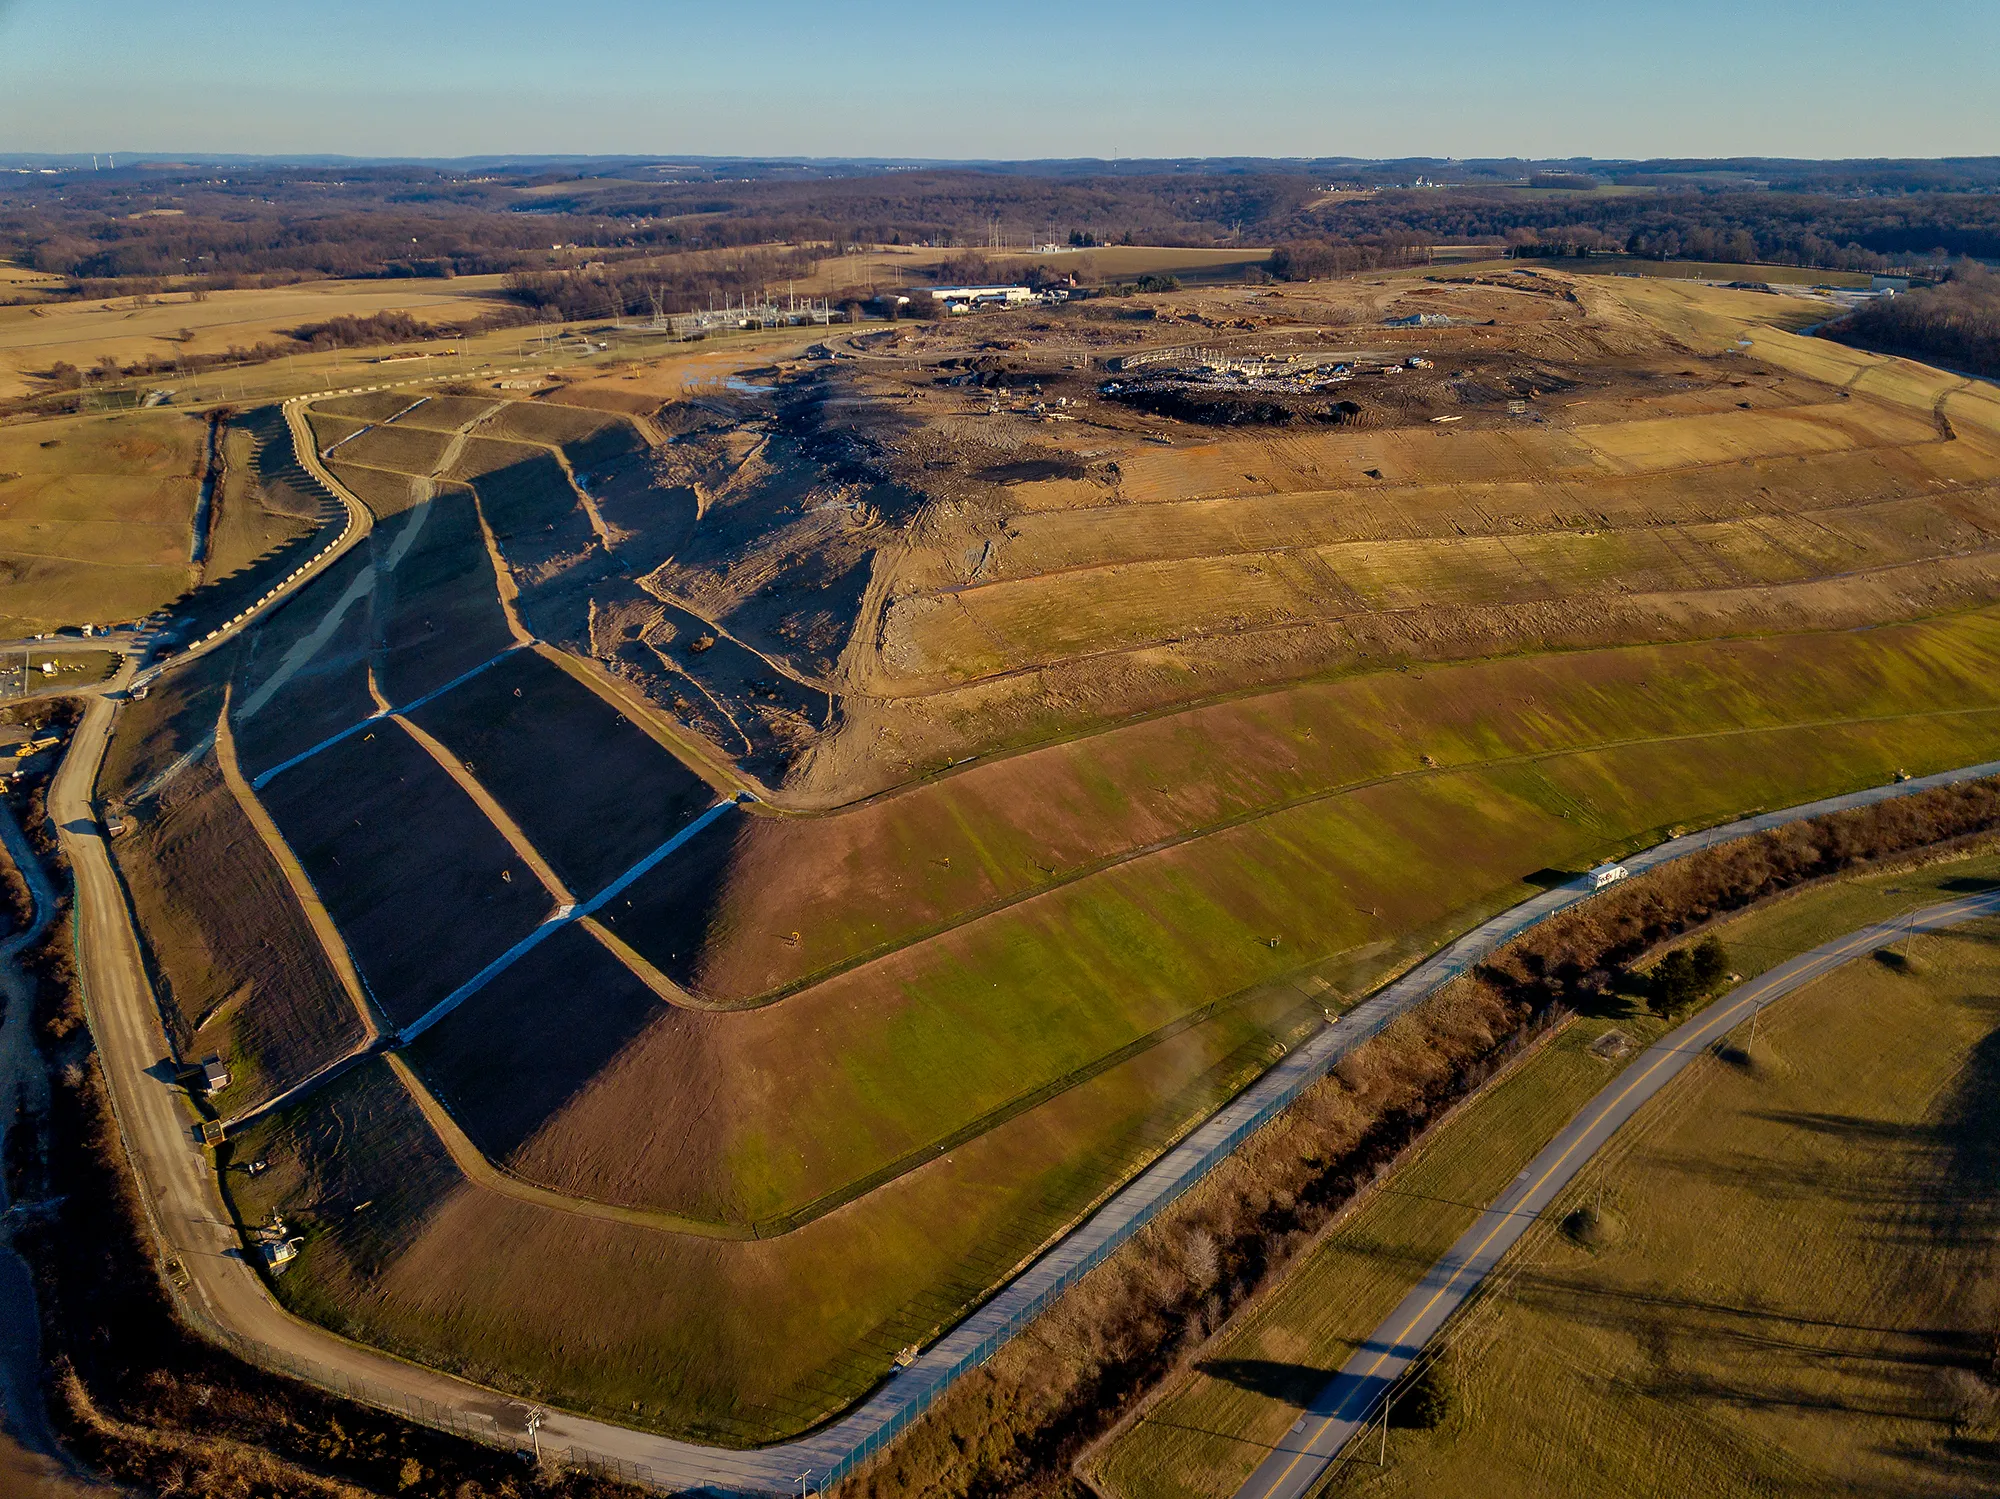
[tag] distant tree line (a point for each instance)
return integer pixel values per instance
(1318, 257)
(1956, 323)
(350, 332)
(614, 290)
(1781, 228)
(130, 230)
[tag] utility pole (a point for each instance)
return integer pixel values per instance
(535, 1419)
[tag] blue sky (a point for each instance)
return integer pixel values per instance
(1024, 78)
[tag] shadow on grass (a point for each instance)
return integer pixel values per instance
(1295, 1384)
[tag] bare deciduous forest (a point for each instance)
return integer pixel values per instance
(272, 222)
(1955, 323)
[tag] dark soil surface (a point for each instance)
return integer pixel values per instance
(592, 791)
(513, 1055)
(238, 969)
(424, 889)
(438, 613)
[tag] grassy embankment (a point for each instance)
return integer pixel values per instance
(236, 966)
(1303, 874)
(1122, 576)
(684, 1341)
(1699, 1292)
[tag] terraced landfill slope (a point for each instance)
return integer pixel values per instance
(1101, 745)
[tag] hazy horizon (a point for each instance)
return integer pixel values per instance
(892, 80)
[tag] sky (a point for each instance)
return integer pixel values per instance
(1013, 80)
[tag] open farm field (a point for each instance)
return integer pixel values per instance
(238, 970)
(592, 791)
(129, 329)
(1217, 1420)
(96, 517)
(16, 278)
(425, 890)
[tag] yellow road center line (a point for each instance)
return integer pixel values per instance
(1831, 959)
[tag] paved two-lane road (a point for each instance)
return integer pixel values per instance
(1356, 1392)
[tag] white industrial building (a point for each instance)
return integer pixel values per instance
(969, 297)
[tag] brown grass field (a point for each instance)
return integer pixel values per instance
(1096, 747)
(34, 338)
(1775, 1286)
(96, 518)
